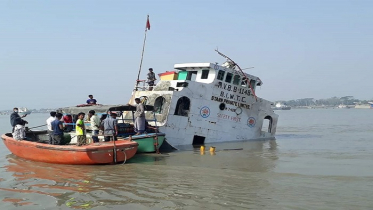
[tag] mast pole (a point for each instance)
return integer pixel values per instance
(142, 53)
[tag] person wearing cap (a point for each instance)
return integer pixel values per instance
(151, 79)
(18, 125)
(110, 127)
(95, 125)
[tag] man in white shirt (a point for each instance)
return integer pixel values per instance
(95, 125)
(49, 125)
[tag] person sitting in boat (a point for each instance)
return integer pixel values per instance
(18, 125)
(57, 127)
(80, 130)
(91, 100)
(150, 128)
(49, 125)
(95, 125)
(67, 119)
(139, 117)
(151, 79)
(110, 127)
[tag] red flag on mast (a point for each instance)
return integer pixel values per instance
(148, 24)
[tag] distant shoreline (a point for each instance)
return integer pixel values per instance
(8, 112)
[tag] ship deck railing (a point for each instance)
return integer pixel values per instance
(142, 85)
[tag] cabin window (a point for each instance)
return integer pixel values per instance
(205, 74)
(182, 84)
(252, 83)
(159, 104)
(221, 75)
(243, 82)
(182, 106)
(236, 79)
(192, 75)
(228, 78)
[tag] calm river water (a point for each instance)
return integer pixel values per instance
(322, 159)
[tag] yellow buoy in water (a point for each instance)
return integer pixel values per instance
(212, 149)
(202, 148)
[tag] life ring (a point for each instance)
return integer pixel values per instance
(238, 110)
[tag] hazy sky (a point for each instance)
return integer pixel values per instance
(55, 53)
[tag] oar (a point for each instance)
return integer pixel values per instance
(38, 126)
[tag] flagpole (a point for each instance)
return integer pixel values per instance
(142, 53)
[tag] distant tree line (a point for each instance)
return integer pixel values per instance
(334, 101)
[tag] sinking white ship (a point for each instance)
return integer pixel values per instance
(201, 103)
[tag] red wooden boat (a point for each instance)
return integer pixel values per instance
(98, 153)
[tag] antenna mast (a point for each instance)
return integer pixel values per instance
(240, 71)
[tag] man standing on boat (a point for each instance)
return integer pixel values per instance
(91, 100)
(151, 79)
(139, 117)
(80, 130)
(18, 125)
(57, 127)
(49, 126)
(110, 127)
(95, 125)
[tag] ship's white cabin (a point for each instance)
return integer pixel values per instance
(200, 103)
(208, 73)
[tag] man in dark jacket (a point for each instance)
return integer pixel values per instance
(15, 119)
(151, 79)
(18, 125)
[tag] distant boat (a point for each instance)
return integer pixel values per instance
(362, 106)
(342, 106)
(280, 106)
(23, 111)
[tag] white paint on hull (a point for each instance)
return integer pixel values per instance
(241, 119)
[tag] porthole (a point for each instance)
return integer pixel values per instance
(222, 106)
